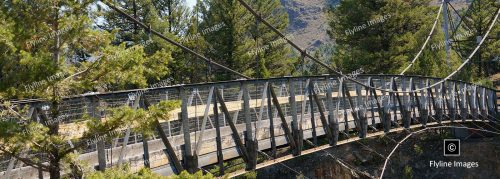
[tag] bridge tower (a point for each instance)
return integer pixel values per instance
(464, 25)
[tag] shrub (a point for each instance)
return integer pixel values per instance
(407, 172)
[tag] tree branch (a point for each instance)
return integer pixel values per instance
(83, 144)
(26, 160)
(93, 65)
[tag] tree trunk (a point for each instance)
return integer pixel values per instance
(55, 170)
(170, 18)
(57, 39)
(134, 7)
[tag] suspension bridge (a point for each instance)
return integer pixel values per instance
(262, 115)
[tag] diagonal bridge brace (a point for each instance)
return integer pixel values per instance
(284, 124)
(235, 134)
(321, 109)
(169, 149)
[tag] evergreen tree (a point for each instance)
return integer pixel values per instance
(132, 34)
(384, 36)
(40, 42)
(176, 21)
(176, 13)
(245, 44)
(223, 43)
(190, 68)
(476, 22)
(269, 54)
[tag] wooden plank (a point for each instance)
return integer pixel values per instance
(422, 106)
(261, 110)
(123, 150)
(174, 160)
(495, 97)
(304, 104)
(421, 109)
(471, 101)
(482, 106)
(466, 100)
(381, 113)
(458, 101)
(405, 101)
(410, 105)
(475, 102)
(444, 97)
(189, 160)
(246, 112)
(351, 106)
(440, 104)
(488, 105)
(453, 107)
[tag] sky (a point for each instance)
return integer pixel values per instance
(191, 3)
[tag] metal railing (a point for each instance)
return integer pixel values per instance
(317, 104)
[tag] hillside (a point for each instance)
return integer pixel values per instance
(308, 21)
(309, 24)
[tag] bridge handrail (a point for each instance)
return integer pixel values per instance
(221, 83)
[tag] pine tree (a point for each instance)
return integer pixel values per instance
(269, 54)
(476, 22)
(244, 43)
(40, 42)
(190, 68)
(176, 21)
(131, 34)
(223, 43)
(176, 13)
(384, 36)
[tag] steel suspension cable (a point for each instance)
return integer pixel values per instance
(281, 163)
(426, 40)
(423, 130)
(171, 41)
(349, 78)
(337, 159)
(472, 54)
(302, 52)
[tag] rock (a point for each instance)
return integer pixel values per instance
(306, 20)
(359, 157)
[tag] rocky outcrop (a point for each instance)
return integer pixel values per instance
(308, 21)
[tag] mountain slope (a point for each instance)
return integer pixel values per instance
(308, 21)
